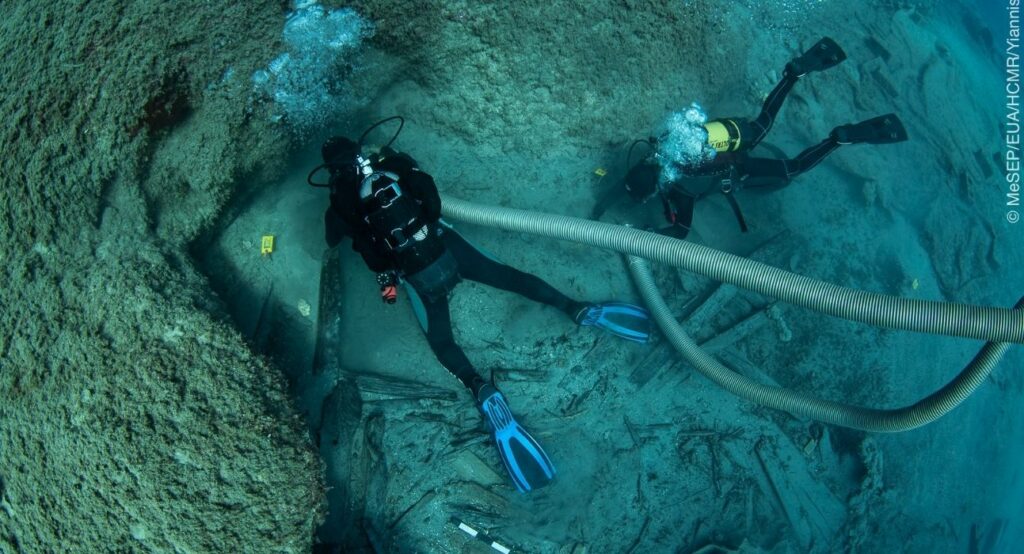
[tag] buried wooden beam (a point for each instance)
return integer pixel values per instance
(814, 514)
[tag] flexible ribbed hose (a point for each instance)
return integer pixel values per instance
(961, 320)
(901, 419)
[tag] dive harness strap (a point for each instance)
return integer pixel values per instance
(728, 189)
(395, 228)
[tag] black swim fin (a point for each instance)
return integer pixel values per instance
(884, 129)
(823, 55)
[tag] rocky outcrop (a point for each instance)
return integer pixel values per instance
(132, 416)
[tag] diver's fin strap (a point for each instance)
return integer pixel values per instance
(735, 205)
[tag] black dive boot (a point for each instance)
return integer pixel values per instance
(823, 55)
(884, 129)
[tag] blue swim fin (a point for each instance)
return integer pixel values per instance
(618, 318)
(526, 462)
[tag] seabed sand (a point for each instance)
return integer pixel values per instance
(140, 174)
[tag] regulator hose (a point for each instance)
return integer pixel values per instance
(992, 324)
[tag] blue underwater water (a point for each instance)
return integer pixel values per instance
(651, 455)
(994, 14)
(544, 277)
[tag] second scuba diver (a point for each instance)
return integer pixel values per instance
(392, 211)
(718, 158)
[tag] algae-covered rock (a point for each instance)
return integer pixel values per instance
(132, 416)
(532, 76)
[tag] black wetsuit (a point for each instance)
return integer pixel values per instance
(444, 257)
(728, 171)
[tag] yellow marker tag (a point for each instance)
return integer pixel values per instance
(267, 245)
(915, 284)
(600, 172)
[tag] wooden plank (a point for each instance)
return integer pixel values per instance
(814, 514)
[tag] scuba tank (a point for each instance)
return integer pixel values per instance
(725, 135)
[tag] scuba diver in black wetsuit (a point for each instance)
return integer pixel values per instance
(392, 211)
(728, 166)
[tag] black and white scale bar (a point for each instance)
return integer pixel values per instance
(480, 536)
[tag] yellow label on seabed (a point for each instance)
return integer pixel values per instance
(600, 172)
(267, 245)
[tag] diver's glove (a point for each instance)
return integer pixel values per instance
(522, 456)
(388, 281)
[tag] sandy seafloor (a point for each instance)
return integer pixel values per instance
(160, 389)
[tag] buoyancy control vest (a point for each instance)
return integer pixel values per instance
(394, 219)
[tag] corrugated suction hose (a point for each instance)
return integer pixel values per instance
(999, 326)
(920, 413)
(941, 318)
